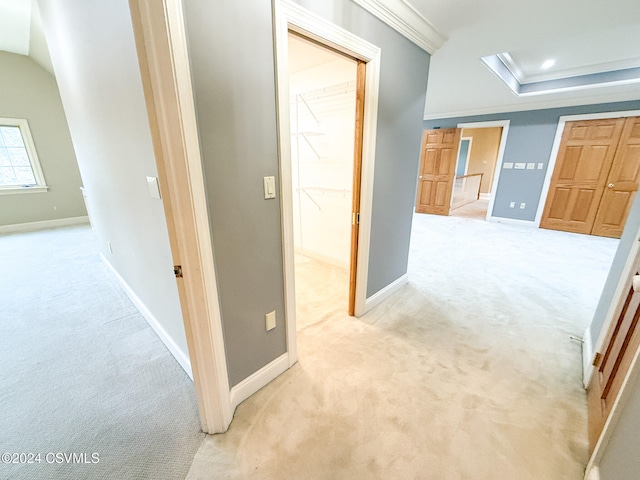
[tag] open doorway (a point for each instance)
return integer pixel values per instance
(476, 164)
(323, 95)
(459, 169)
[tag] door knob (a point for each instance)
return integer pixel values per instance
(610, 185)
(420, 177)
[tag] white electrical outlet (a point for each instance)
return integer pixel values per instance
(522, 205)
(270, 320)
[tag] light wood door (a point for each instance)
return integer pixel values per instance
(622, 183)
(613, 364)
(584, 159)
(437, 170)
(357, 183)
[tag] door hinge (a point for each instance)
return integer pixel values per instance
(355, 218)
(597, 359)
(177, 270)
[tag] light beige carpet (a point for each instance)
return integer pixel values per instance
(468, 372)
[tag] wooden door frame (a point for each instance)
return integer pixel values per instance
(291, 16)
(553, 158)
(632, 375)
(166, 79)
(498, 167)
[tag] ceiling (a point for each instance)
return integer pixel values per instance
(580, 36)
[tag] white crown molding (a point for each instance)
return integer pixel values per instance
(523, 78)
(521, 107)
(405, 19)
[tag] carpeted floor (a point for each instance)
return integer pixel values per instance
(468, 372)
(82, 372)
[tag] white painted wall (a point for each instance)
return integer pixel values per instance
(322, 186)
(94, 57)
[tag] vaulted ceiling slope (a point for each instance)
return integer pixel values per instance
(21, 31)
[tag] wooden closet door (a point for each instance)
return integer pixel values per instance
(584, 159)
(622, 183)
(437, 170)
(613, 363)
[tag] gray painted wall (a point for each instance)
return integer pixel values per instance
(403, 80)
(28, 91)
(234, 84)
(530, 139)
(94, 57)
(233, 72)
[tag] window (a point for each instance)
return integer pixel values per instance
(19, 166)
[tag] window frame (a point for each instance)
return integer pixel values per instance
(40, 185)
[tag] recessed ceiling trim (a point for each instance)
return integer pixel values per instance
(611, 97)
(406, 20)
(504, 68)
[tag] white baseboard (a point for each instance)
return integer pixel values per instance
(587, 355)
(250, 385)
(385, 293)
(593, 474)
(321, 257)
(44, 224)
(180, 356)
(513, 221)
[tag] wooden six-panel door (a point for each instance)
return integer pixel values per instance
(622, 183)
(612, 364)
(437, 170)
(596, 177)
(584, 160)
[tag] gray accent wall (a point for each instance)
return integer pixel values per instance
(530, 139)
(30, 92)
(233, 74)
(403, 80)
(94, 57)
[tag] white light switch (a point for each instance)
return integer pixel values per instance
(531, 166)
(540, 166)
(512, 204)
(507, 165)
(154, 188)
(270, 320)
(269, 187)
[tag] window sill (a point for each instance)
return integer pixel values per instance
(13, 190)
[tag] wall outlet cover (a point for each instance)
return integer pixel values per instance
(270, 320)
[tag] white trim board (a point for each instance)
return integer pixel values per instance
(498, 167)
(587, 355)
(556, 148)
(179, 355)
(290, 16)
(381, 295)
(406, 20)
(543, 105)
(253, 383)
(44, 224)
